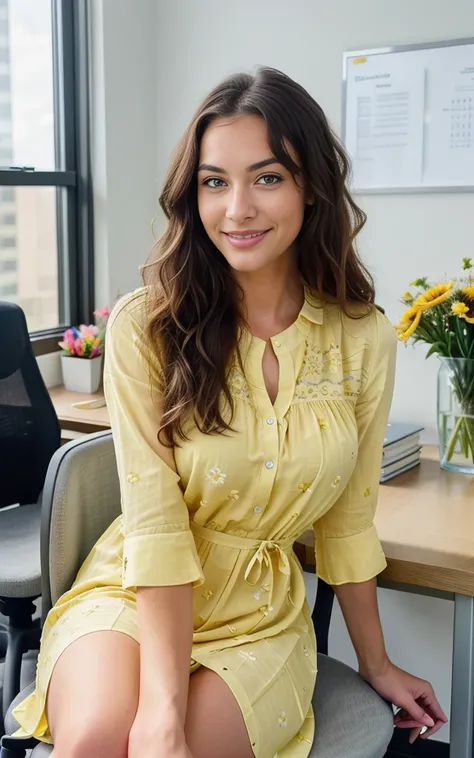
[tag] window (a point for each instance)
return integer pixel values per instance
(46, 241)
(7, 195)
(5, 111)
(8, 290)
(8, 265)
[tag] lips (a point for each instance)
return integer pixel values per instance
(246, 233)
(246, 238)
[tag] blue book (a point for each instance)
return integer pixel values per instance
(397, 433)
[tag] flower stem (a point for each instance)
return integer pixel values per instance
(454, 438)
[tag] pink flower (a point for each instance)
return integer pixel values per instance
(68, 335)
(102, 312)
(78, 347)
(88, 331)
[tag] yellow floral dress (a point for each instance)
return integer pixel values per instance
(227, 520)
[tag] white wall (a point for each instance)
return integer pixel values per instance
(154, 61)
(124, 128)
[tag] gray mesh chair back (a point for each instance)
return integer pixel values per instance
(81, 498)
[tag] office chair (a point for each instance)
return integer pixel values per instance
(352, 720)
(29, 435)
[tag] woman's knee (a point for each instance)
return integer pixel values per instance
(93, 696)
(95, 739)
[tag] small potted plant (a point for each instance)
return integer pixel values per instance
(82, 353)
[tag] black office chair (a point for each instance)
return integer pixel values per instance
(29, 435)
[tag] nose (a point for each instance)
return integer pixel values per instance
(240, 206)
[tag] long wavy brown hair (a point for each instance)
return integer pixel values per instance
(194, 312)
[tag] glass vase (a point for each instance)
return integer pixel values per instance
(456, 414)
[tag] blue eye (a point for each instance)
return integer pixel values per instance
(207, 182)
(274, 179)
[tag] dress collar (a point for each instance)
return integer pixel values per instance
(312, 309)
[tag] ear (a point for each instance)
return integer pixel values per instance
(310, 198)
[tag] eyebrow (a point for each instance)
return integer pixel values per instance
(250, 169)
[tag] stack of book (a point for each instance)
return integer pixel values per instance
(401, 450)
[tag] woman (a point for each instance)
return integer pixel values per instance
(248, 386)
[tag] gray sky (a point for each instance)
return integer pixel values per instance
(31, 72)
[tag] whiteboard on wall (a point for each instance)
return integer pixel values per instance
(408, 117)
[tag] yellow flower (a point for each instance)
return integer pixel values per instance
(407, 298)
(459, 309)
(408, 323)
(468, 310)
(434, 296)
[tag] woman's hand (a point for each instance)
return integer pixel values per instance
(150, 739)
(415, 697)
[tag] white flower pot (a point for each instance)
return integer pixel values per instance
(81, 374)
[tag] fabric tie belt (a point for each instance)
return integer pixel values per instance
(261, 562)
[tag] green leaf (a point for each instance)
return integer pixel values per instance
(436, 347)
(422, 282)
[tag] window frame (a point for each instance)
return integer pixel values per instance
(74, 209)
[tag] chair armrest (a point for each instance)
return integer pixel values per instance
(322, 613)
(16, 747)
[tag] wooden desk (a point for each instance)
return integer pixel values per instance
(425, 520)
(76, 419)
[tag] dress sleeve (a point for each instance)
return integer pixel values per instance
(347, 545)
(159, 548)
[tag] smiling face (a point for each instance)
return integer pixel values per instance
(250, 205)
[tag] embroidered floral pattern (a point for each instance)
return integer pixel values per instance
(216, 476)
(335, 358)
(282, 721)
(91, 608)
(233, 495)
(323, 425)
(303, 486)
(247, 656)
(207, 594)
(325, 374)
(237, 383)
(263, 588)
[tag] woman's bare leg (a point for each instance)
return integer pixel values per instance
(214, 723)
(93, 696)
